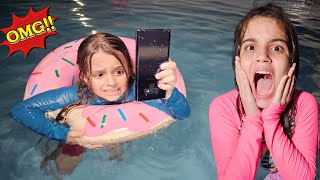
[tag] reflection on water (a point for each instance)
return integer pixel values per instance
(201, 44)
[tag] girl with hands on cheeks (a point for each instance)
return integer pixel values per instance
(282, 96)
(265, 117)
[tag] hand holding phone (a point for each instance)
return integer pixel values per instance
(167, 77)
(151, 51)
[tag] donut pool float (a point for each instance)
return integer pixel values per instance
(104, 124)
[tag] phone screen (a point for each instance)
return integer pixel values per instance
(152, 50)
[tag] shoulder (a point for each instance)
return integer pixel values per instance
(228, 99)
(306, 117)
(306, 107)
(62, 95)
(68, 89)
(48, 100)
(305, 100)
(224, 106)
(64, 92)
(223, 113)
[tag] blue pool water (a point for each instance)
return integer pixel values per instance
(201, 44)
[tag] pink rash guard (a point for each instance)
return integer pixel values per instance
(237, 155)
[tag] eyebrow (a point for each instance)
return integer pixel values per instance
(249, 40)
(278, 39)
(119, 67)
(273, 40)
(98, 71)
(103, 70)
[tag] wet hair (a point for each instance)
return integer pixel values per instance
(276, 13)
(109, 44)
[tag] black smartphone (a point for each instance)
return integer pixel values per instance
(152, 49)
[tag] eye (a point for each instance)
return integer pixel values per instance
(277, 49)
(249, 47)
(119, 72)
(98, 75)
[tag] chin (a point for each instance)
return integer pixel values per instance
(263, 103)
(112, 99)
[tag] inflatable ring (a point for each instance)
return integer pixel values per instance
(104, 124)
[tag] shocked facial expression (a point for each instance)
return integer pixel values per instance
(108, 78)
(264, 57)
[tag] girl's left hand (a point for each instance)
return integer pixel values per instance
(285, 88)
(74, 137)
(167, 77)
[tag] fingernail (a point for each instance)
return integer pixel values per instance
(162, 66)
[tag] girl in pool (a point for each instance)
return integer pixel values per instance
(265, 116)
(106, 77)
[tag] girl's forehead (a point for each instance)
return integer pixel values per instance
(264, 25)
(104, 59)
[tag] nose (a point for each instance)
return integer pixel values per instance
(110, 80)
(263, 56)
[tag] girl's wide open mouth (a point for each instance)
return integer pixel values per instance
(263, 81)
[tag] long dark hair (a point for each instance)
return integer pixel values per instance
(287, 118)
(107, 43)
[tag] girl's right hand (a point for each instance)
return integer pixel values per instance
(248, 101)
(74, 137)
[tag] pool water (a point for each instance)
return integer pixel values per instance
(201, 45)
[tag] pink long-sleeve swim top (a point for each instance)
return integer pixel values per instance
(237, 147)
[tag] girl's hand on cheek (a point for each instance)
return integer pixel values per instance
(285, 88)
(167, 77)
(246, 96)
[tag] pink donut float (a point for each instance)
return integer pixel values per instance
(106, 124)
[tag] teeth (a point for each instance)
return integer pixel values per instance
(262, 72)
(263, 94)
(111, 90)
